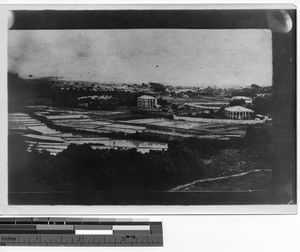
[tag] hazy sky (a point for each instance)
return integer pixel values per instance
(225, 58)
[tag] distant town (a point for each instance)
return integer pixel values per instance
(192, 101)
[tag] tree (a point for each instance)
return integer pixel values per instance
(175, 106)
(263, 105)
(254, 86)
(162, 102)
(221, 112)
(209, 91)
(157, 87)
(240, 102)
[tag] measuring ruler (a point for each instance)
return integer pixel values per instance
(80, 232)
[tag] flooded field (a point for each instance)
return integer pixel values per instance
(187, 129)
(40, 137)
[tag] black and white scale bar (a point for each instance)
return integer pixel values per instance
(80, 232)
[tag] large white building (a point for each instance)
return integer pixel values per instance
(146, 101)
(238, 112)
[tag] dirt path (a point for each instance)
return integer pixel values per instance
(178, 188)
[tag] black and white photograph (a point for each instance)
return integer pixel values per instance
(152, 107)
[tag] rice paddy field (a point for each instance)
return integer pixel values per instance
(54, 130)
(197, 129)
(41, 137)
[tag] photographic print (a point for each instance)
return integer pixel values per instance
(162, 107)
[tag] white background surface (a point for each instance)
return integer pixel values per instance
(234, 233)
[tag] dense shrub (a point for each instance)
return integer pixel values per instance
(81, 168)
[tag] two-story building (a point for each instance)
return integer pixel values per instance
(238, 112)
(146, 101)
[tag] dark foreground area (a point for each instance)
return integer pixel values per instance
(41, 178)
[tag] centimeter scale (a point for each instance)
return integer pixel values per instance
(79, 232)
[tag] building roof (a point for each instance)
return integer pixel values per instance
(241, 98)
(147, 97)
(238, 109)
(193, 105)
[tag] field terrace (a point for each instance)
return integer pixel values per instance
(101, 122)
(55, 129)
(190, 129)
(41, 137)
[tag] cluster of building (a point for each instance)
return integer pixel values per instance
(234, 112)
(247, 100)
(239, 112)
(94, 97)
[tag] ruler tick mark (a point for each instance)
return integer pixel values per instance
(62, 236)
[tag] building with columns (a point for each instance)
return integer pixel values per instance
(238, 112)
(146, 101)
